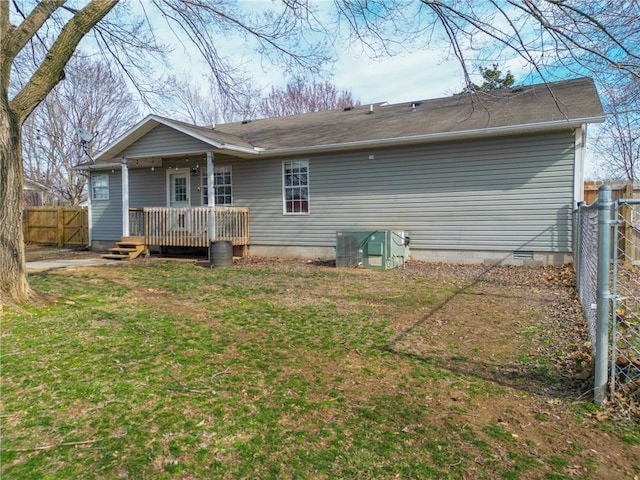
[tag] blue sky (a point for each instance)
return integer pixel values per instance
(413, 75)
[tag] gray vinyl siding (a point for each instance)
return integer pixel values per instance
(509, 194)
(163, 140)
(147, 188)
(106, 215)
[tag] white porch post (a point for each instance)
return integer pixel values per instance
(125, 198)
(211, 197)
(580, 136)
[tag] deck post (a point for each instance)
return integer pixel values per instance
(211, 227)
(125, 198)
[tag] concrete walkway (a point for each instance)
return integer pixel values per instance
(43, 265)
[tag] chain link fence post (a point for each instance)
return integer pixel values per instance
(603, 294)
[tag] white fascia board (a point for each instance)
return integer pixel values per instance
(188, 132)
(127, 138)
(152, 120)
(580, 144)
(209, 141)
(101, 166)
(149, 123)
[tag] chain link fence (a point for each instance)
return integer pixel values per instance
(625, 328)
(585, 248)
(607, 264)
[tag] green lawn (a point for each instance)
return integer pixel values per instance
(169, 370)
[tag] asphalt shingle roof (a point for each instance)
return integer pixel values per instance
(557, 105)
(568, 100)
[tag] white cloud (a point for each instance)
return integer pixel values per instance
(415, 76)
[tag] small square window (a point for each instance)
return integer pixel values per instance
(100, 186)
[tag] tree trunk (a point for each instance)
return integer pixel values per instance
(13, 272)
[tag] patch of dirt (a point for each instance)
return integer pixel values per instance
(501, 320)
(34, 252)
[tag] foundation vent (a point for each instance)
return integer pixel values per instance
(523, 255)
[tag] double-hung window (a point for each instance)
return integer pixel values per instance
(222, 186)
(100, 186)
(295, 184)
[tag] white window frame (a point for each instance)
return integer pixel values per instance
(95, 189)
(204, 188)
(301, 164)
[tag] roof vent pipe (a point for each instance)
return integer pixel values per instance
(371, 108)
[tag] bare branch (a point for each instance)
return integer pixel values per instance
(51, 70)
(302, 96)
(17, 37)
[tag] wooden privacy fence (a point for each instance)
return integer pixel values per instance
(62, 226)
(618, 190)
(189, 226)
(629, 222)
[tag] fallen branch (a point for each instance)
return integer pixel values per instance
(226, 370)
(49, 447)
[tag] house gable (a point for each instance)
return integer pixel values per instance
(164, 141)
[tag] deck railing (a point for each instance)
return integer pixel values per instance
(189, 226)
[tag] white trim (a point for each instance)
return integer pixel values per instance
(125, 198)
(284, 196)
(151, 121)
(180, 171)
(211, 199)
(440, 137)
(90, 215)
(216, 170)
(92, 178)
(580, 142)
(204, 184)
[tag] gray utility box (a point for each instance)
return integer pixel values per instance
(377, 249)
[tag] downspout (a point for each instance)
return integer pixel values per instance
(125, 198)
(211, 197)
(90, 211)
(580, 143)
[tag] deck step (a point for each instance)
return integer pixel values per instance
(129, 244)
(125, 249)
(115, 256)
(135, 240)
(128, 248)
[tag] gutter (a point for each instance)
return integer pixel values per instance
(99, 166)
(383, 142)
(444, 136)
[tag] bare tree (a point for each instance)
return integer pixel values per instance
(204, 103)
(124, 35)
(303, 96)
(91, 97)
(582, 35)
(618, 142)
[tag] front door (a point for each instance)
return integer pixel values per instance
(179, 189)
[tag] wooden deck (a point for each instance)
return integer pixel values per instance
(189, 227)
